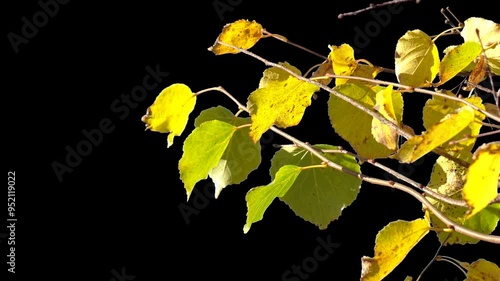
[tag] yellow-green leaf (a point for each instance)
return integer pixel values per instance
(438, 107)
(202, 151)
(389, 104)
(280, 100)
(259, 198)
(354, 125)
(170, 111)
(243, 34)
(489, 31)
(417, 59)
(447, 178)
(482, 177)
(457, 59)
(436, 135)
(392, 245)
(483, 270)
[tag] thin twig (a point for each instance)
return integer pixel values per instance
(433, 258)
(374, 6)
(284, 39)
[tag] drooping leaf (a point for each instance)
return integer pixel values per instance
(318, 195)
(242, 155)
(478, 73)
(281, 99)
(483, 270)
(243, 34)
(439, 133)
(489, 31)
(354, 125)
(170, 111)
(438, 107)
(203, 150)
(457, 59)
(482, 177)
(417, 59)
(447, 178)
(392, 245)
(389, 104)
(259, 198)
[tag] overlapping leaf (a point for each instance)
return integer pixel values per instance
(438, 107)
(389, 104)
(344, 63)
(392, 244)
(483, 270)
(259, 198)
(243, 34)
(457, 59)
(170, 111)
(482, 177)
(439, 133)
(355, 125)
(242, 155)
(281, 99)
(448, 179)
(417, 59)
(318, 195)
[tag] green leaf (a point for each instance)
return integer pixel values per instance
(439, 133)
(203, 150)
(242, 155)
(318, 195)
(354, 125)
(392, 245)
(389, 104)
(448, 179)
(243, 34)
(170, 111)
(417, 59)
(457, 59)
(483, 270)
(482, 177)
(280, 100)
(438, 107)
(259, 198)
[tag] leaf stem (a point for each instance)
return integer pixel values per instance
(452, 261)
(433, 259)
(314, 167)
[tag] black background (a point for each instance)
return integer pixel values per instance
(119, 208)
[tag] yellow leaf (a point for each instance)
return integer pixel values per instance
(170, 111)
(489, 31)
(417, 59)
(390, 105)
(280, 100)
(436, 135)
(483, 270)
(392, 245)
(343, 63)
(482, 177)
(241, 33)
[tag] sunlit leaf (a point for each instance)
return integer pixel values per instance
(259, 198)
(203, 150)
(354, 125)
(343, 61)
(281, 99)
(483, 270)
(170, 111)
(417, 59)
(389, 104)
(489, 31)
(457, 59)
(243, 34)
(242, 155)
(392, 245)
(438, 107)
(436, 135)
(482, 177)
(320, 194)
(447, 178)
